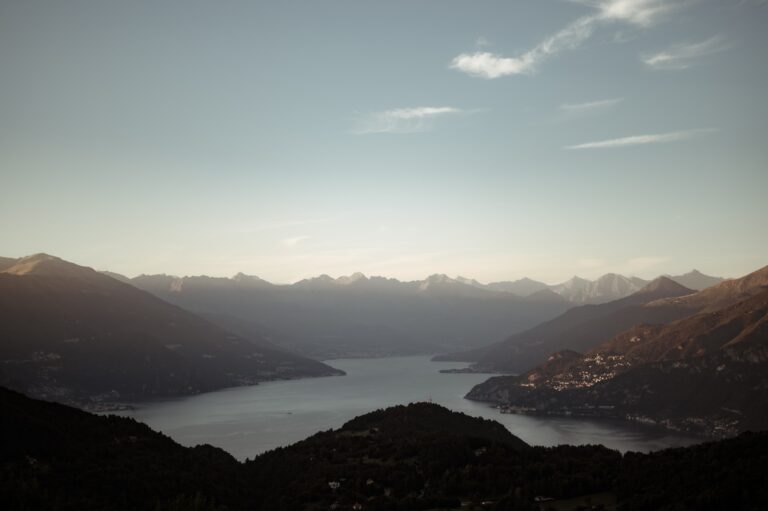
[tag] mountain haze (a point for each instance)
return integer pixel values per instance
(521, 287)
(72, 334)
(326, 317)
(696, 280)
(357, 315)
(606, 288)
(723, 294)
(579, 329)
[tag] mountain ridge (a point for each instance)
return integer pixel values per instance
(76, 335)
(608, 287)
(361, 316)
(704, 372)
(579, 328)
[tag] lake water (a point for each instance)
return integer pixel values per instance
(246, 421)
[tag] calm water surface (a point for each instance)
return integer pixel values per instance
(246, 421)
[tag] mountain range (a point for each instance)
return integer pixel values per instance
(579, 328)
(93, 338)
(75, 335)
(705, 372)
(690, 360)
(325, 317)
(357, 316)
(576, 290)
(609, 287)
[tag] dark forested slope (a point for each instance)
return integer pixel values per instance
(707, 373)
(419, 456)
(72, 334)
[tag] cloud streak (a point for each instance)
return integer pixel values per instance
(683, 56)
(643, 13)
(404, 120)
(590, 105)
(659, 138)
(490, 65)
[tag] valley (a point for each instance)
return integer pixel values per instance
(247, 421)
(383, 255)
(94, 339)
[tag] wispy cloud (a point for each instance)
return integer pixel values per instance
(292, 242)
(590, 105)
(635, 12)
(490, 65)
(404, 120)
(658, 138)
(683, 56)
(643, 13)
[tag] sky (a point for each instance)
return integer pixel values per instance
(489, 139)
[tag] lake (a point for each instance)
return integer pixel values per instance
(246, 421)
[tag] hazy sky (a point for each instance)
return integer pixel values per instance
(491, 139)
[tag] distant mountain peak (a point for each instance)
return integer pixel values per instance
(45, 264)
(39, 258)
(468, 281)
(242, 278)
(351, 279)
(608, 287)
(440, 283)
(435, 280)
(695, 280)
(664, 285)
(520, 287)
(320, 279)
(325, 281)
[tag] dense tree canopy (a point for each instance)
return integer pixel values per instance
(419, 456)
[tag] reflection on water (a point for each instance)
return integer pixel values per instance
(246, 421)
